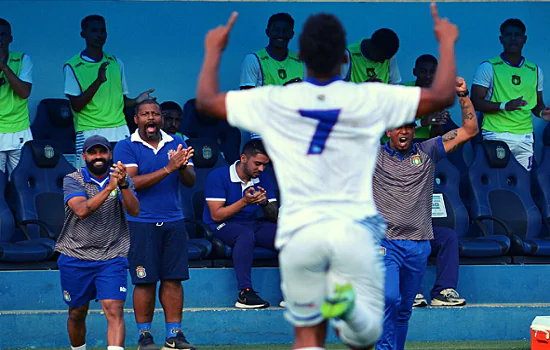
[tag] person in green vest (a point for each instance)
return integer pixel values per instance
(171, 118)
(436, 124)
(15, 88)
(275, 64)
(373, 59)
(507, 89)
(95, 85)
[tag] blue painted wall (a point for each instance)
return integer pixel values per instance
(161, 42)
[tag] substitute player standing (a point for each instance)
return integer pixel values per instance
(324, 125)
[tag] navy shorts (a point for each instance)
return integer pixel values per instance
(83, 280)
(158, 252)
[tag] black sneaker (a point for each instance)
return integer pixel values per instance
(178, 342)
(249, 299)
(146, 342)
(448, 297)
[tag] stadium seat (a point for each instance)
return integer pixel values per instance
(501, 199)
(540, 189)
(205, 160)
(14, 251)
(196, 125)
(54, 123)
(36, 189)
(474, 248)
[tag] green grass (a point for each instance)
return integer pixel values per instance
(471, 345)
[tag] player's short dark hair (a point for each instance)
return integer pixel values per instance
(170, 106)
(4, 22)
(254, 147)
(91, 18)
(282, 16)
(386, 41)
(513, 22)
(426, 58)
(149, 101)
(322, 43)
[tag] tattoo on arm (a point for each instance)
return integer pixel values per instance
(451, 135)
(271, 211)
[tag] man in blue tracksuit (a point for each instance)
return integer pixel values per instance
(403, 189)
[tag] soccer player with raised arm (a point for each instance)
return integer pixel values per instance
(329, 228)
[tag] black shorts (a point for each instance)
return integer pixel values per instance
(158, 251)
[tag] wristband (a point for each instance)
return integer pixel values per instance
(463, 94)
(166, 170)
(124, 187)
(502, 106)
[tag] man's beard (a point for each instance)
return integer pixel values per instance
(101, 170)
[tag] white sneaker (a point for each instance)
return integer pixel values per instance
(448, 297)
(282, 303)
(420, 301)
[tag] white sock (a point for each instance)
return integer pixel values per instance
(311, 348)
(81, 347)
(112, 347)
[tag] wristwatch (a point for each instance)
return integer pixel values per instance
(124, 187)
(463, 94)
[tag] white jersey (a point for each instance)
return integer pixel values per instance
(323, 140)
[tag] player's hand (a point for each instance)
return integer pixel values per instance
(373, 79)
(114, 178)
(461, 85)
(444, 29)
(262, 197)
(3, 59)
(188, 153)
(515, 104)
(546, 113)
(177, 159)
(102, 72)
(438, 118)
(250, 195)
(217, 38)
(121, 173)
(145, 96)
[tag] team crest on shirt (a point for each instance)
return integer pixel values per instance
(382, 251)
(66, 296)
(140, 272)
(416, 160)
(282, 73)
(371, 72)
(516, 79)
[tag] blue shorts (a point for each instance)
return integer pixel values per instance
(158, 252)
(83, 280)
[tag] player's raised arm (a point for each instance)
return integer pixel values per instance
(455, 138)
(442, 92)
(209, 99)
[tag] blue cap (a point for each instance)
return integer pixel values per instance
(96, 140)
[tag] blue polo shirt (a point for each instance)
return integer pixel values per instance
(225, 185)
(160, 202)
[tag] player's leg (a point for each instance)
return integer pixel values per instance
(445, 246)
(304, 261)
(144, 268)
(357, 276)
(523, 151)
(411, 274)
(392, 254)
(241, 237)
(112, 287)
(174, 270)
(77, 283)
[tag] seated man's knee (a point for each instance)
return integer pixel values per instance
(446, 235)
(246, 237)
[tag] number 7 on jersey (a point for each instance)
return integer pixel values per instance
(327, 119)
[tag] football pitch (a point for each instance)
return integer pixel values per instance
(470, 345)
